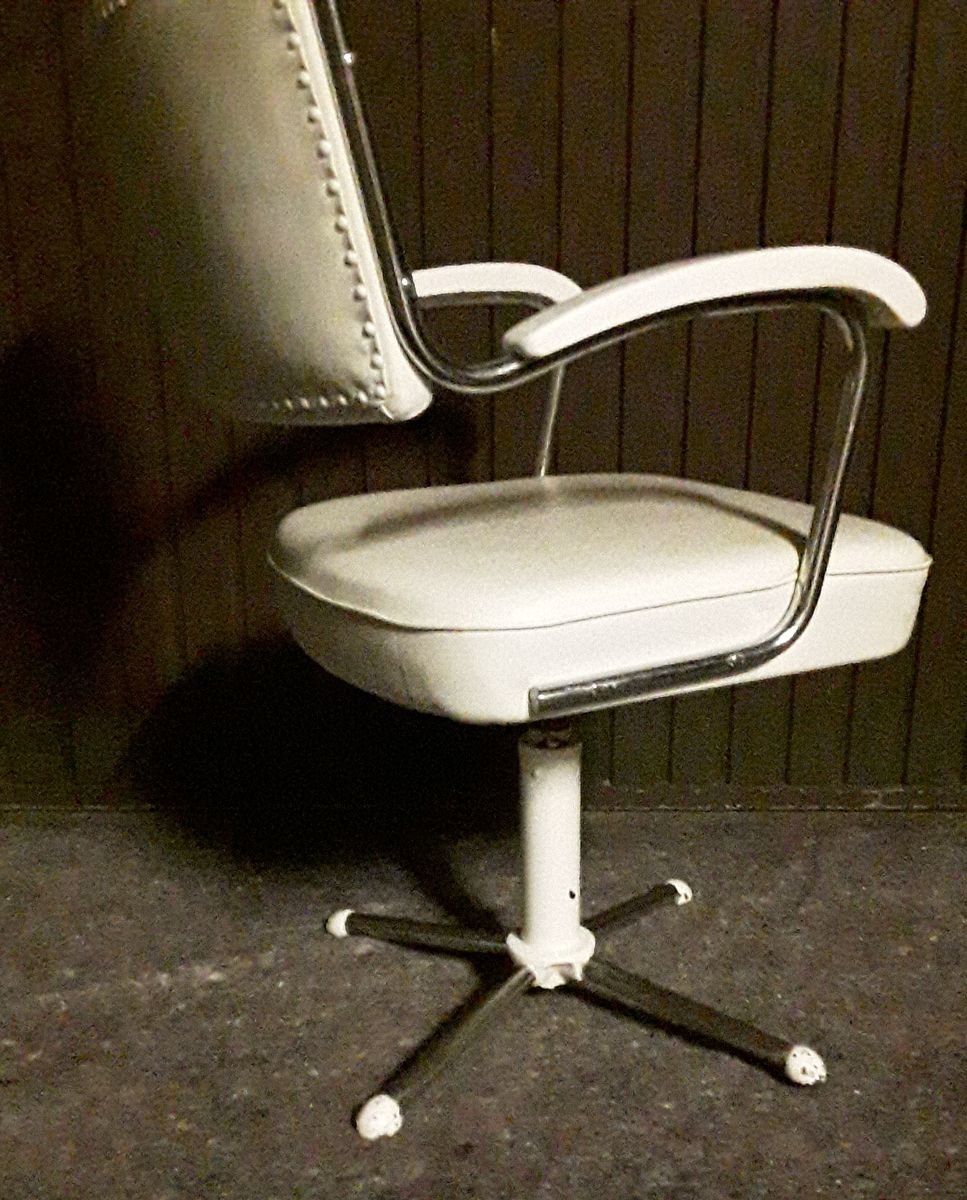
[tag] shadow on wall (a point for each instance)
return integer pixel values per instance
(255, 751)
(63, 542)
(262, 752)
(262, 756)
(71, 531)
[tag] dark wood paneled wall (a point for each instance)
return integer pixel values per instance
(596, 136)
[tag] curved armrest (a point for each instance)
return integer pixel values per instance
(502, 283)
(492, 283)
(891, 295)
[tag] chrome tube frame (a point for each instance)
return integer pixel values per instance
(585, 695)
(552, 404)
(545, 444)
(507, 371)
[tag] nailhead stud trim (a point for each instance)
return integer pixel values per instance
(106, 9)
(373, 396)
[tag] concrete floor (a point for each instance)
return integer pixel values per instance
(176, 1023)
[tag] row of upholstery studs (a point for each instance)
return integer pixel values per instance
(107, 8)
(377, 394)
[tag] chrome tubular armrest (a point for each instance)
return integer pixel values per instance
(489, 285)
(585, 695)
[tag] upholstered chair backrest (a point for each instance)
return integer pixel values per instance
(221, 134)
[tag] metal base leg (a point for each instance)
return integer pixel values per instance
(431, 935)
(674, 891)
(644, 998)
(382, 1114)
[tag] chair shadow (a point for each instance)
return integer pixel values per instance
(64, 540)
(257, 752)
(70, 538)
(263, 758)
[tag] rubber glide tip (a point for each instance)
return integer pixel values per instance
(379, 1117)
(684, 891)
(804, 1066)
(336, 925)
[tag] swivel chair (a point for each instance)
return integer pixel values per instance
(236, 137)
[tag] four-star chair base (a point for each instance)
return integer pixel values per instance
(554, 948)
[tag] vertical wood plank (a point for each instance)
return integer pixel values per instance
(386, 40)
(939, 721)
(732, 151)
(45, 362)
(265, 486)
(457, 183)
(526, 177)
(8, 609)
(664, 115)
(102, 716)
(594, 117)
(130, 413)
(200, 449)
(802, 123)
(910, 422)
(595, 78)
(876, 77)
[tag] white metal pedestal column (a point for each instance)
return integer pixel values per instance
(552, 944)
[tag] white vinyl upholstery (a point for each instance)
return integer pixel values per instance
(217, 125)
(458, 600)
(477, 279)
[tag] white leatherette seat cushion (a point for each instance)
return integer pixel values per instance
(458, 600)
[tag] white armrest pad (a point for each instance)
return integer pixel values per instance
(490, 278)
(894, 296)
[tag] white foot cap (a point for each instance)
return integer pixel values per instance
(805, 1066)
(684, 891)
(336, 925)
(379, 1117)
